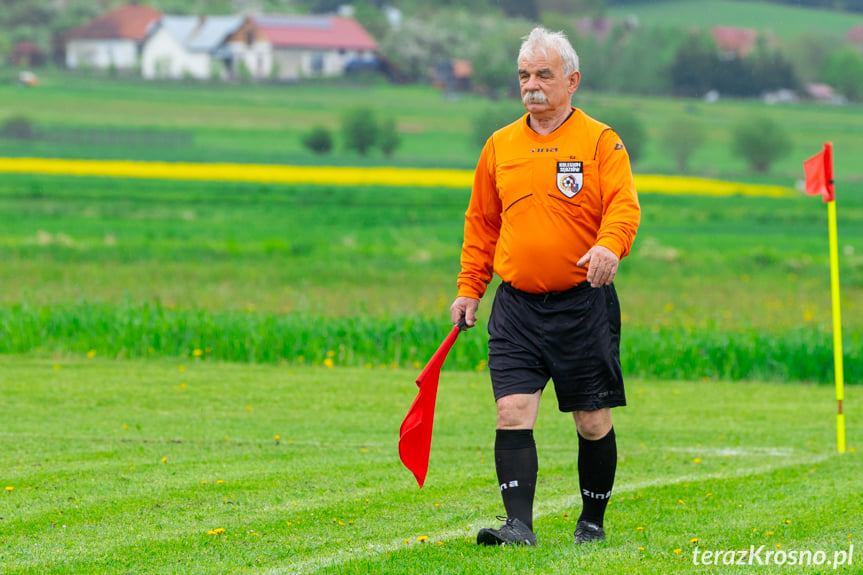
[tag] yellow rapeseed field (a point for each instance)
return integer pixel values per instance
(346, 176)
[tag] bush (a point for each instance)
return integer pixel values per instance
(18, 128)
(319, 140)
(682, 137)
(493, 118)
(360, 129)
(389, 138)
(760, 141)
(630, 129)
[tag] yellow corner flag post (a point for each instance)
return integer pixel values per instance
(837, 325)
(819, 180)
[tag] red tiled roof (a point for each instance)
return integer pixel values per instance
(128, 22)
(333, 32)
(855, 35)
(740, 41)
(26, 48)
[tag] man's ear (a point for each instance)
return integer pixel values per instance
(574, 79)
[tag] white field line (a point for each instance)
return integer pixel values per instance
(345, 555)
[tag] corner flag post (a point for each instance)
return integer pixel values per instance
(819, 180)
(837, 325)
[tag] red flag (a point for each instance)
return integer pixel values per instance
(415, 433)
(819, 174)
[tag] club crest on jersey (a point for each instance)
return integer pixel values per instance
(570, 178)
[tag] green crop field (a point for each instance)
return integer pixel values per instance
(242, 123)
(734, 287)
(198, 467)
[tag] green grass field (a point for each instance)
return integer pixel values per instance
(127, 467)
(782, 20)
(209, 377)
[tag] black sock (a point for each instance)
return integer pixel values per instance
(516, 462)
(597, 461)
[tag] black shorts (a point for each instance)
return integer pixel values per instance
(572, 337)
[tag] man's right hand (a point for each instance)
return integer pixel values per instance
(464, 307)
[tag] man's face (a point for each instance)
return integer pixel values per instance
(545, 91)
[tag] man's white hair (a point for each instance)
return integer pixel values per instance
(540, 40)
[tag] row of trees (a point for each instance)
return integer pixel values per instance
(636, 60)
(362, 130)
(758, 140)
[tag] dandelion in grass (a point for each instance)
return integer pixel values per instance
(693, 540)
(182, 368)
(696, 460)
(9, 488)
(639, 528)
(197, 353)
(216, 531)
(328, 363)
(91, 354)
(164, 460)
(641, 548)
(277, 438)
(422, 538)
(56, 368)
(677, 551)
(440, 543)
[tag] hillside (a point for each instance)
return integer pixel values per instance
(785, 21)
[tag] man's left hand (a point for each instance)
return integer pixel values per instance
(602, 268)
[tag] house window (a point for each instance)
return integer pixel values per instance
(250, 37)
(317, 62)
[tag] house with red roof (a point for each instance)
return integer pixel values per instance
(111, 40)
(206, 47)
(318, 45)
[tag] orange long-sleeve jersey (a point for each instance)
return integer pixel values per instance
(539, 203)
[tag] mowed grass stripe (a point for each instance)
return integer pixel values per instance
(330, 493)
(348, 176)
(543, 509)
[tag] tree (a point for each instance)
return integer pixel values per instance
(844, 71)
(319, 140)
(694, 66)
(360, 129)
(760, 141)
(389, 138)
(682, 137)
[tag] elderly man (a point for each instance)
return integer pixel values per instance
(552, 211)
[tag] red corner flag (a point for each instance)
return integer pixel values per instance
(819, 174)
(416, 431)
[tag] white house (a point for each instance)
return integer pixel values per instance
(111, 40)
(205, 47)
(308, 46)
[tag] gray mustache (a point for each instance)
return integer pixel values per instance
(534, 97)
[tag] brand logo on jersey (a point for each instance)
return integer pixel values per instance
(570, 178)
(541, 150)
(618, 146)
